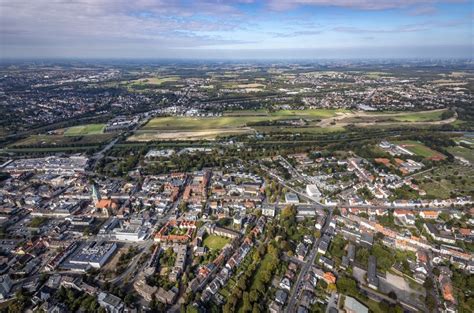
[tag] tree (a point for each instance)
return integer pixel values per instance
(253, 295)
(129, 299)
(428, 284)
(362, 256)
(430, 302)
(332, 288)
(346, 285)
(392, 295)
(246, 305)
(191, 309)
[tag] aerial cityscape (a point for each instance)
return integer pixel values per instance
(222, 169)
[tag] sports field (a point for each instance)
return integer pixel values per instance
(215, 242)
(82, 130)
(420, 149)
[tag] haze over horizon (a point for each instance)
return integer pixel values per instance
(242, 29)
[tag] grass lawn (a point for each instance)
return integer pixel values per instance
(154, 80)
(309, 113)
(59, 140)
(88, 129)
(54, 149)
(215, 242)
(201, 123)
(462, 152)
(234, 120)
(420, 149)
(465, 140)
(425, 116)
(440, 182)
(38, 221)
(302, 130)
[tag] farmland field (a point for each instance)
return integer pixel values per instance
(88, 129)
(420, 149)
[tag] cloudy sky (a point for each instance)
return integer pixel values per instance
(236, 29)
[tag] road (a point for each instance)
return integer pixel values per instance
(332, 303)
(100, 154)
(293, 169)
(282, 182)
(133, 264)
(433, 291)
(295, 292)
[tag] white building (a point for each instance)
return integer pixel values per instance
(131, 233)
(268, 211)
(313, 192)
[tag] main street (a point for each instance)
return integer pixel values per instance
(102, 152)
(295, 292)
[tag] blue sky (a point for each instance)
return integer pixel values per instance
(308, 29)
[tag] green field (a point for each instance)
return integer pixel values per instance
(309, 113)
(215, 242)
(60, 140)
(469, 141)
(200, 123)
(420, 149)
(88, 129)
(465, 153)
(233, 121)
(426, 116)
(309, 121)
(300, 130)
(45, 150)
(445, 179)
(154, 80)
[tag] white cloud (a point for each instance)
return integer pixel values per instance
(355, 4)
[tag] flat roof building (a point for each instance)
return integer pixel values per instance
(372, 278)
(351, 305)
(291, 198)
(94, 254)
